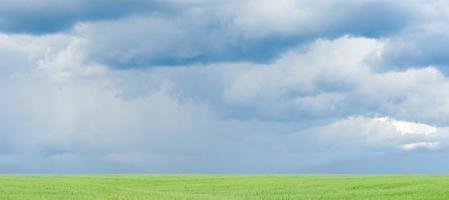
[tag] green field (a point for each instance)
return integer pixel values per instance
(50, 187)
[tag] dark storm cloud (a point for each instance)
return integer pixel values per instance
(49, 16)
(146, 33)
(218, 32)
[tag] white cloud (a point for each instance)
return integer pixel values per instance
(405, 127)
(381, 134)
(424, 145)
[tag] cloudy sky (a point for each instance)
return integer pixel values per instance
(224, 86)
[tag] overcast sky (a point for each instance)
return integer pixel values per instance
(224, 86)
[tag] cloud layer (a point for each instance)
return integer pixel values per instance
(224, 86)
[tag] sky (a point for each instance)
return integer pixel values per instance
(224, 86)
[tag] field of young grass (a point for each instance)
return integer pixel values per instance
(226, 187)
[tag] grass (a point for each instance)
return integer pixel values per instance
(229, 187)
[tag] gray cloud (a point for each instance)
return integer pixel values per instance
(49, 16)
(134, 34)
(422, 42)
(418, 47)
(256, 31)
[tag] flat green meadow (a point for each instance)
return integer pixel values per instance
(49, 187)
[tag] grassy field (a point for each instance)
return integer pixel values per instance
(31, 187)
